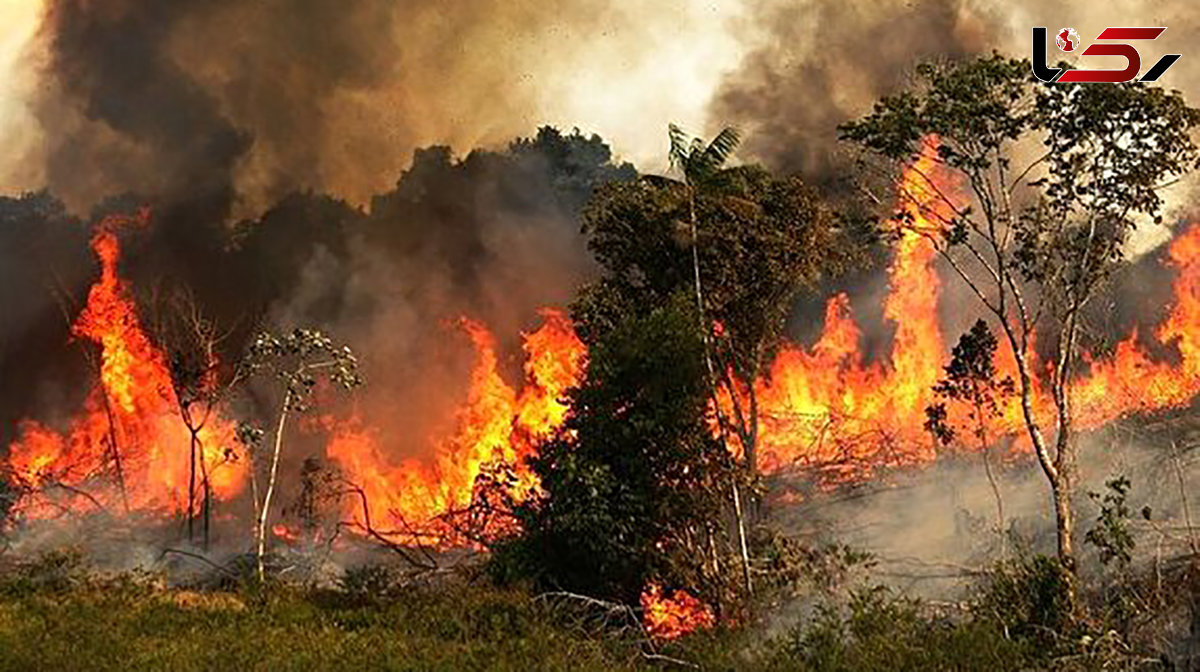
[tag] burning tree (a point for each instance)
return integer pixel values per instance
(971, 380)
(634, 488)
(741, 241)
(297, 361)
(1058, 177)
(200, 383)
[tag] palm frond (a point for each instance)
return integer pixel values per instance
(680, 150)
(721, 147)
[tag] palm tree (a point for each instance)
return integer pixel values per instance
(701, 166)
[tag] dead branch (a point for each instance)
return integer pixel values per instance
(366, 527)
(196, 556)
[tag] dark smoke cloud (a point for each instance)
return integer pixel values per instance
(45, 262)
(234, 103)
(820, 63)
(112, 63)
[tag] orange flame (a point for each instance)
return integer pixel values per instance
(495, 424)
(671, 617)
(129, 431)
(824, 409)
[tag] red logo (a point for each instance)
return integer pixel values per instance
(1068, 41)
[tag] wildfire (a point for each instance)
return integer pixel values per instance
(128, 447)
(825, 407)
(494, 425)
(671, 617)
(822, 408)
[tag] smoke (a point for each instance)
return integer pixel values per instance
(933, 529)
(819, 63)
(810, 66)
(240, 103)
(492, 236)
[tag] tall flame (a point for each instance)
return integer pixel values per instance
(495, 424)
(825, 407)
(128, 447)
(822, 408)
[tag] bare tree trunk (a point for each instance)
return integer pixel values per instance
(737, 507)
(712, 380)
(1000, 528)
(207, 506)
(266, 504)
(1064, 523)
(1059, 487)
(985, 449)
(191, 510)
(116, 450)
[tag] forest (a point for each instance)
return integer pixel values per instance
(923, 403)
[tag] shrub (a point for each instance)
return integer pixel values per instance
(1029, 598)
(879, 631)
(635, 487)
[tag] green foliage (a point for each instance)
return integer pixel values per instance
(52, 572)
(634, 486)
(970, 378)
(761, 240)
(1111, 535)
(123, 624)
(700, 162)
(1029, 598)
(368, 582)
(879, 631)
(298, 359)
(790, 569)
(1060, 220)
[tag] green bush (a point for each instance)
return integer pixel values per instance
(635, 487)
(877, 630)
(1029, 598)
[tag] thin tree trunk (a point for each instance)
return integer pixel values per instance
(737, 507)
(987, 468)
(985, 449)
(207, 505)
(191, 510)
(266, 504)
(116, 450)
(1063, 513)
(712, 379)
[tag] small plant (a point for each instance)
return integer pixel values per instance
(52, 572)
(297, 361)
(1111, 534)
(1029, 598)
(368, 583)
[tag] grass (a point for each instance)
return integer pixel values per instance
(54, 615)
(125, 625)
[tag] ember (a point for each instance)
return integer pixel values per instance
(675, 615)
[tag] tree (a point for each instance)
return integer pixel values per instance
(633, 486)
(1057, 177)
(297, 361)
(972, 381)
(200, 383)
(742, 241)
